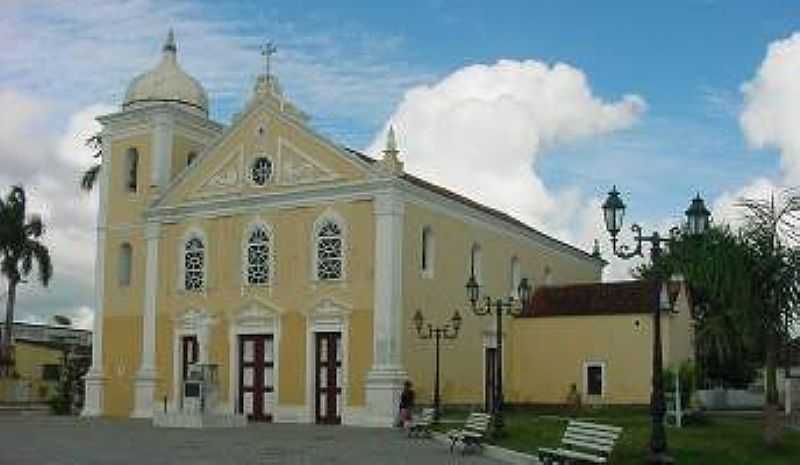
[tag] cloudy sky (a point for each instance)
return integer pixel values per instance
(533, 107)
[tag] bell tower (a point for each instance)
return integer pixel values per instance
(160, 129)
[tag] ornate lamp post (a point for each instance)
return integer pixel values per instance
(437, 333)
(499, 307)
(697, 221)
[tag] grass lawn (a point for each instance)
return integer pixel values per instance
(718, 441)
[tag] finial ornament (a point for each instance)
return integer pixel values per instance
(267, 50)
(390, 161)
(169, 44)
(391, 141)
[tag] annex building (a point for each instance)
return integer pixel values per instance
(296, 265)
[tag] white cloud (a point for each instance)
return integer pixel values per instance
(480, 131)
(49, 165)
(772, 105)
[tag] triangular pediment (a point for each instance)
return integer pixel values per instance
(265, 151)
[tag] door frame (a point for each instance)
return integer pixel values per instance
(338, 359)
(192, 322)
(254, 318)
(266, 416)
(328, 316)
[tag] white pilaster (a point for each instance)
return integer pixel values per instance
(385, 378)
(94, 380)
(163, 136)
(145, 383)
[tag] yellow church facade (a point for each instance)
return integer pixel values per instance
(293, 264)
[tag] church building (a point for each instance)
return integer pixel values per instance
(292, 263)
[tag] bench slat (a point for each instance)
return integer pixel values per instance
(592, 439)
(597, 426)
(586, 445)
(592, 432)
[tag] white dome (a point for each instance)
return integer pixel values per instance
(167, 83)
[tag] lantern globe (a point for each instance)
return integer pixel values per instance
(473, 290)
(697, 216)
(456, 320)
(613, 212)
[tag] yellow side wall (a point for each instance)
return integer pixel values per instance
(549, 353)
(462, 359)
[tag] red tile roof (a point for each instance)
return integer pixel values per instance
(617, 298)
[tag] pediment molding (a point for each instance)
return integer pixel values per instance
(255, 312)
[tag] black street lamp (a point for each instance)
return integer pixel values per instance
(512, 307)
(697, 222)
(445, 331)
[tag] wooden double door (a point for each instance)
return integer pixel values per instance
(256, 376)
(328, 377)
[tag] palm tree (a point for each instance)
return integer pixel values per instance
(91, 175)
(20, 250)
(772, 234)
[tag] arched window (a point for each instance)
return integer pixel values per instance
(131, 169)
(125, 264)
(475, 262)
(190, 158)
(258, 252)
(427, 251)
(330, 251)
(194, 261)
(515, 276)
(261, 171)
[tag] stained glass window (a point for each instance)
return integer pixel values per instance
(258, 250)
(329, 251)
(194, 263)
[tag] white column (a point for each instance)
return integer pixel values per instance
(145, 384)
(94, 380)
(163, 136)
(385, 379)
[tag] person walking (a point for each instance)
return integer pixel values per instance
(406, 404)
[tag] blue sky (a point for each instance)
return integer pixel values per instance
(688, 59)
(651, 98)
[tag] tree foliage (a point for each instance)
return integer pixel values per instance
(745, 288)
(21, 250)
(92, 174)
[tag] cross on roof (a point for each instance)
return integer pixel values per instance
(267, 50)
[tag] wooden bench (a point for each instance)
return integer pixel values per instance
(583, 442)
(473, 433)
(421, 426)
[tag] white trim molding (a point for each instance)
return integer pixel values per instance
(385, 379)
(191, 322)
(254, 317)
(327, 315)
(594, 398)
(146, 377)
(95, 380)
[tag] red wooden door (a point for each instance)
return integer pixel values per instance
(329, 378)
(256, 377)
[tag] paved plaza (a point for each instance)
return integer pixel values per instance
(44, 440)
